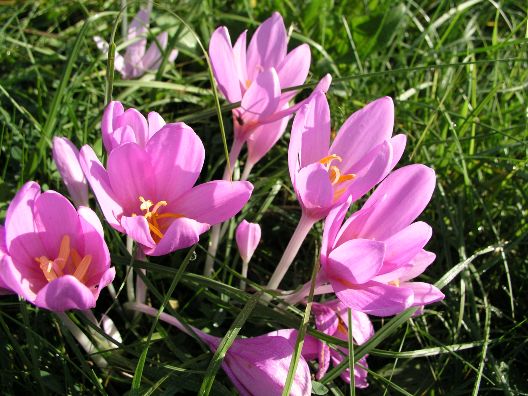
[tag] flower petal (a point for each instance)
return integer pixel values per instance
(135, 120)
(424, 293)
(23, 280)
(355, 262)
(314, 190)
(364, 130)
(213, 202)
(137, 228)
(155, 123)
(182, 233)
(398, 143)
(263, 138)
(262, 98)
(294, 69)
(99, 181)
(152, 58)
(178, 156)
(407, 243)
(113, 110)
(375, 298)
(223, 64)
(64, 293)
(267, 47)
(19, 217)
(239, 53)
(418, 265)
(137, 31)
(247, 238)
(332, 224)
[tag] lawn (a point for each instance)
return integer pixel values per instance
(457, 73)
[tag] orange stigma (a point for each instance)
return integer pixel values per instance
(68, 262)
(153, 216)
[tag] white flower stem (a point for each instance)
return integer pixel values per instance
(299, 235)
(247, 170)
(84, 341)
(244, 274)
(214, 238)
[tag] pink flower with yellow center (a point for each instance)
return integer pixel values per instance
(147, 191)
(53, 255)
(363, 153)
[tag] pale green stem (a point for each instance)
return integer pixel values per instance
(214, 238)
(124, 21)
(84, 341)
(299, 235)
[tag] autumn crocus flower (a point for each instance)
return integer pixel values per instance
(120, 126)
(370, 260)
(324, 175)
(138, 59)
(66, 158)
(147, 192)
(256, 366)
(55, 256)
(256, 76)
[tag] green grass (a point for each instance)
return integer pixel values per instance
(458, 74)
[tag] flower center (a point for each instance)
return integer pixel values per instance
(335, 175)
(395, 282)
(68, 262)
(157, 228)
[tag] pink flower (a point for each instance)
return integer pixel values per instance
(247, 239)
(120, 126)
(371, 258)
(147, 191)
(256, 366)
(256, 76)
(54, 255)
(66, 158)
(361, 155)
(138, 59)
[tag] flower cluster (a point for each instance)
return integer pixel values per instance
(54, 255)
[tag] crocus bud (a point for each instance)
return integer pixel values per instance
(66, 158)
(247, 239)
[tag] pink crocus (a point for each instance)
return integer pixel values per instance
(138, 59)
(370, 260)
(54, 255)
(363, 152)
(256, 366)
(120, 126)
(256, 76)
(66, 158)
(147, 192)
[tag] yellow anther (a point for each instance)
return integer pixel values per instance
(82, 268)
(145, 204)
(329, 158)
(248, 83)
(159, 205)
(46, 265)
(395, 282)
(335, 174)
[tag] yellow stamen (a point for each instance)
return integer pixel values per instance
(329, 158)
(153, 216)
(46, 265)
(82, 268)
(145, 204)
(248, 83)
(155, 231)
(334, 173)
(395, 282)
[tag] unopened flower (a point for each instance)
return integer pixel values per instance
(55, 256)
(147, 191)
(138, 59)
(66, 158)
(257, 366)
(324, 175)
(247, 239)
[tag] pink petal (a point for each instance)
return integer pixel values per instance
(213, 202)
(4, 289)
(19, 215)
(65, 293)
(332, 224)
(362, 327)
(263, 138)
(418, 265)
(310, 136)
(99, 181)
(66, 157)
(267, 47)
(364, 130)
(262, 98)
(325, 318)
(424, 293)
(178, 156)
(407, 243)
(355, 262)
(314, 190)
(155, 123)
(152, 58)
(239, 53)
(398, 143)
(182, 233)
(294, 69)
(135, 120)
(131, 176)
(107, 278)
(398, 201)
(21, 279)
(375, 298)
(137, 228)
(56, 217)
(223, 64)
(111, 113)
(247, 238)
